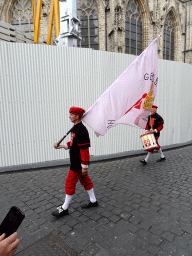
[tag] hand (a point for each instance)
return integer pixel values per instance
(84, 171)
(152, 130)
(8, 245)
(57, 147)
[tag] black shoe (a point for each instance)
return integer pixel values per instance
(161, 159)
(89, 205)
(60, 212)
(143, 162)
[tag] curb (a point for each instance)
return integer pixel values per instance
(93, 159)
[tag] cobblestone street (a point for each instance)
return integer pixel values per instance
(143, 209)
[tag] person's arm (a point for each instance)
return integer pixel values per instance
(84, 159)
(160, 123)
(8, 245)
(65, 146)
(83, 143)
(160, 126)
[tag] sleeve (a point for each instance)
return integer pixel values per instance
(83, 143)
(67, 145)
(84, 157)
(160, 124)
(159, 128)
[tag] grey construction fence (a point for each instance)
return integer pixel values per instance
(40, 83)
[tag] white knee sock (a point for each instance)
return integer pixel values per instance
(67, 201)
(91, 195)
(161, 152)
(147, 157)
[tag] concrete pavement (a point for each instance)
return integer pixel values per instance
(143, 210)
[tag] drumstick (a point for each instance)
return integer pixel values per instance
(63, 137)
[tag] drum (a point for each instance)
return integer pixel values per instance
(148, 140)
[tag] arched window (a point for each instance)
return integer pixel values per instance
(133, 28)
(168, 40)
(87, 12)
(22, 16)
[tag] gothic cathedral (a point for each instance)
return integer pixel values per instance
(124, 26)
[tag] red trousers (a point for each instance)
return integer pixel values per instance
(157, 148)
(72, 179)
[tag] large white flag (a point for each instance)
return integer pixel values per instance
(129, 99)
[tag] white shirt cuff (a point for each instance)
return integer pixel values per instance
(84, 166)
(65, 146)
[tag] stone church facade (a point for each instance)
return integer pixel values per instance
(124, 26)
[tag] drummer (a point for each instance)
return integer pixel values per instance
(155, 125)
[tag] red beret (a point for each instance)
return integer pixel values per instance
(77, 111)
(153, 106)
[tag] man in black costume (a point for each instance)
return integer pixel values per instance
(155, 125)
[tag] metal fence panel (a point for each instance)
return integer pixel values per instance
(40, 83)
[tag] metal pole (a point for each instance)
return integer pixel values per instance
(34, 13)
(37, 21)
(49, 35)
(57, 17)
